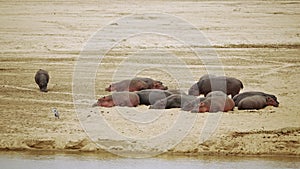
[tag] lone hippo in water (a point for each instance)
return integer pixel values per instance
(172, 101)
(42, 79)
(215, 104)
(229, 85)
(243, 95)
(150, 96)
(136, 84)
(128, 99)
(256, 102)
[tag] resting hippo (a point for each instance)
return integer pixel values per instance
(42, 79)
(136, 84)
(152, 84)
(229, 85)
(256, 102)
(129, 99)
(215, 104)
(150, 96)
(128, 85)
(173, 101)
(243, 95)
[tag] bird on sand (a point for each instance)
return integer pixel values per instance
(55, 111)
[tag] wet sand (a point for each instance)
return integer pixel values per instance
(257, 42)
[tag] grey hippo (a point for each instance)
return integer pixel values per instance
(42, 78)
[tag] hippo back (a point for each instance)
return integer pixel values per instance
(243, 95)
(252, 102)
(42, 78)
(150, 96)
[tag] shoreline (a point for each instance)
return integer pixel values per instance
(167, 155)
(86, 146)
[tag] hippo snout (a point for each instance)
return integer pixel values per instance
(44, 90)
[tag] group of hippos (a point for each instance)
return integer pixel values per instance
(147, 91)
(216, 89)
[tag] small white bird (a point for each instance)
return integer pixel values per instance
(55, 111)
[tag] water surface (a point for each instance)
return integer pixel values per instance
(16, 160)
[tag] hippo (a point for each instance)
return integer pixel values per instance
(173, 101)
(256, 102)
(152, 84)
(229, 85)
(128, 99)
(150, 96)
(215, 104)
(243, 95)
(128, 85)
(42, 79)
(136, 84)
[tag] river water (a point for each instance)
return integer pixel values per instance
(17, 160)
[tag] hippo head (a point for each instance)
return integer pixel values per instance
(109, 89)
(159, 85)
(105, 101)
(203, 107)
(106, 104)
(272, 102)
(194, 90)
(43, 87)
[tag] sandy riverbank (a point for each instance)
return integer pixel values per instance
(257, 42)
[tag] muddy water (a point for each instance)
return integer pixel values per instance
(15, 160)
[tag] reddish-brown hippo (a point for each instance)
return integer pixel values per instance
(172, 101)
(128, 99)
(239, 97)
(42, 79)
(215, 104)
(136, 84)
(150, 96)
(229, 85)
(127, 85)
(256, 102)
(152, 84)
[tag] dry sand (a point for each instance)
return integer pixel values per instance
(257, 42)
